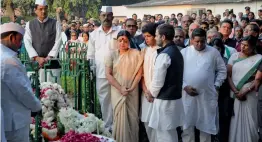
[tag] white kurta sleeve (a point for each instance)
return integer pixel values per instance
(28, 42)
(162, 63)
(91, 47)
(183, 52)
(19, 84)
(221, 70)
(58, 39)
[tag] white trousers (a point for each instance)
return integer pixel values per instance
(166, 135)
(151, 133)
(188, 135)
(103, 89)
(52, 75)
(20, 135)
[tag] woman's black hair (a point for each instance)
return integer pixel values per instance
(85, 33)
(128, 35)
(251, 40)
(150, 28)
(219, 43)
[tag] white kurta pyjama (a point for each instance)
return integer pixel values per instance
(166, 115)
(203, 70)
(146, 109)
(53, 53)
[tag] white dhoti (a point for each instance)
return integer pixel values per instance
(53, 75)
(166, 135)
(104, 95)
(20, 135)
(188, 135)
(151, 133)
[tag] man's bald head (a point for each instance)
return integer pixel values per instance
(192, 27)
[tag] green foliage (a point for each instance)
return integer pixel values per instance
(80, 8)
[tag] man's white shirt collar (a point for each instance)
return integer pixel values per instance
(113, 28)
(43, 20)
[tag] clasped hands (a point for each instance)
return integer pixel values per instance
(125, 91)
(241, 95)
(41, 60)
(191, 91)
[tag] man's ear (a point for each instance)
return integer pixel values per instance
(163, 37)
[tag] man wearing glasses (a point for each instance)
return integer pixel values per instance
(99, 45)
(131, 27)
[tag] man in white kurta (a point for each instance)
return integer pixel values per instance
(17, 97)
(43, 38)
(100, 43)
(167, 113)
(204, 73)
(147, 101)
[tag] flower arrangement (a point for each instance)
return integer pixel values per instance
(59, 118)
(89, 123)
(52, 98)
(77, 137)
(83, 137)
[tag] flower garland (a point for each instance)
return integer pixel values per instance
(52, 98)
(59, 118)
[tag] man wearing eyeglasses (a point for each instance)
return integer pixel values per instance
(42, 42)
(100, 43)
(131, 27)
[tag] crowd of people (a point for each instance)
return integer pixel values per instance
(177, 75)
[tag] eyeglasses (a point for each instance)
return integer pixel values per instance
(129, 26)
(178, 36)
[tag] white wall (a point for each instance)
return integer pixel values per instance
(168, 10)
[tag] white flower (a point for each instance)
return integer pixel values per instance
(69, 118)
(49, 114)
(44, 109)
(44, 85)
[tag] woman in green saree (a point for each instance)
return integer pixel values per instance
(124, 71)
(242, 68)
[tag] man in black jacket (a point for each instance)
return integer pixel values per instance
(166, 87)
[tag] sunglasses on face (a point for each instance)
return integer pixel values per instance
(129, 26)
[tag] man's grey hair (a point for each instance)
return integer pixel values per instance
(212, 31)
